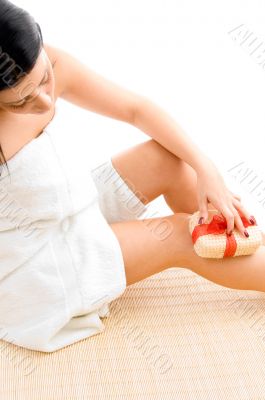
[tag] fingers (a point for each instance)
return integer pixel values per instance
(240, 226)
(229, 215)
(231, 212)
(203, 208)
(242, 210)
(235, 195)
(233, 217)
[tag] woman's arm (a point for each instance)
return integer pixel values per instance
(155, 122)
(88, 89)
(211, 188)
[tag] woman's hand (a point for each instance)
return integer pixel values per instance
(212, 189)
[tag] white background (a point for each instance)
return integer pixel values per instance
(182, 56)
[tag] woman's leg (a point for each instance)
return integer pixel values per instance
(154, 244)
(150, 170)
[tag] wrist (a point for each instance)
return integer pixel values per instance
(203, 164)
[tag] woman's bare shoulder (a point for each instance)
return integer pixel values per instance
(56, 54)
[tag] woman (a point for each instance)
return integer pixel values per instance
(33, 76)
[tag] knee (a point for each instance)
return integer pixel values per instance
(182, 238)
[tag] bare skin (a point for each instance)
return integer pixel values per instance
(19, 126)
(143, 250)
(145, 253)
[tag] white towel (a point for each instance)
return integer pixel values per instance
(60, 262)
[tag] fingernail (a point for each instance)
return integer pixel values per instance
(252, 220)
(200, 220)
(246, 233)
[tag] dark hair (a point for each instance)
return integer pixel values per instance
(21, 42)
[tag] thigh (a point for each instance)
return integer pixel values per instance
(148, 169)
(151, 245)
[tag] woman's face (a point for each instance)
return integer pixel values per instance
(35, 93)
